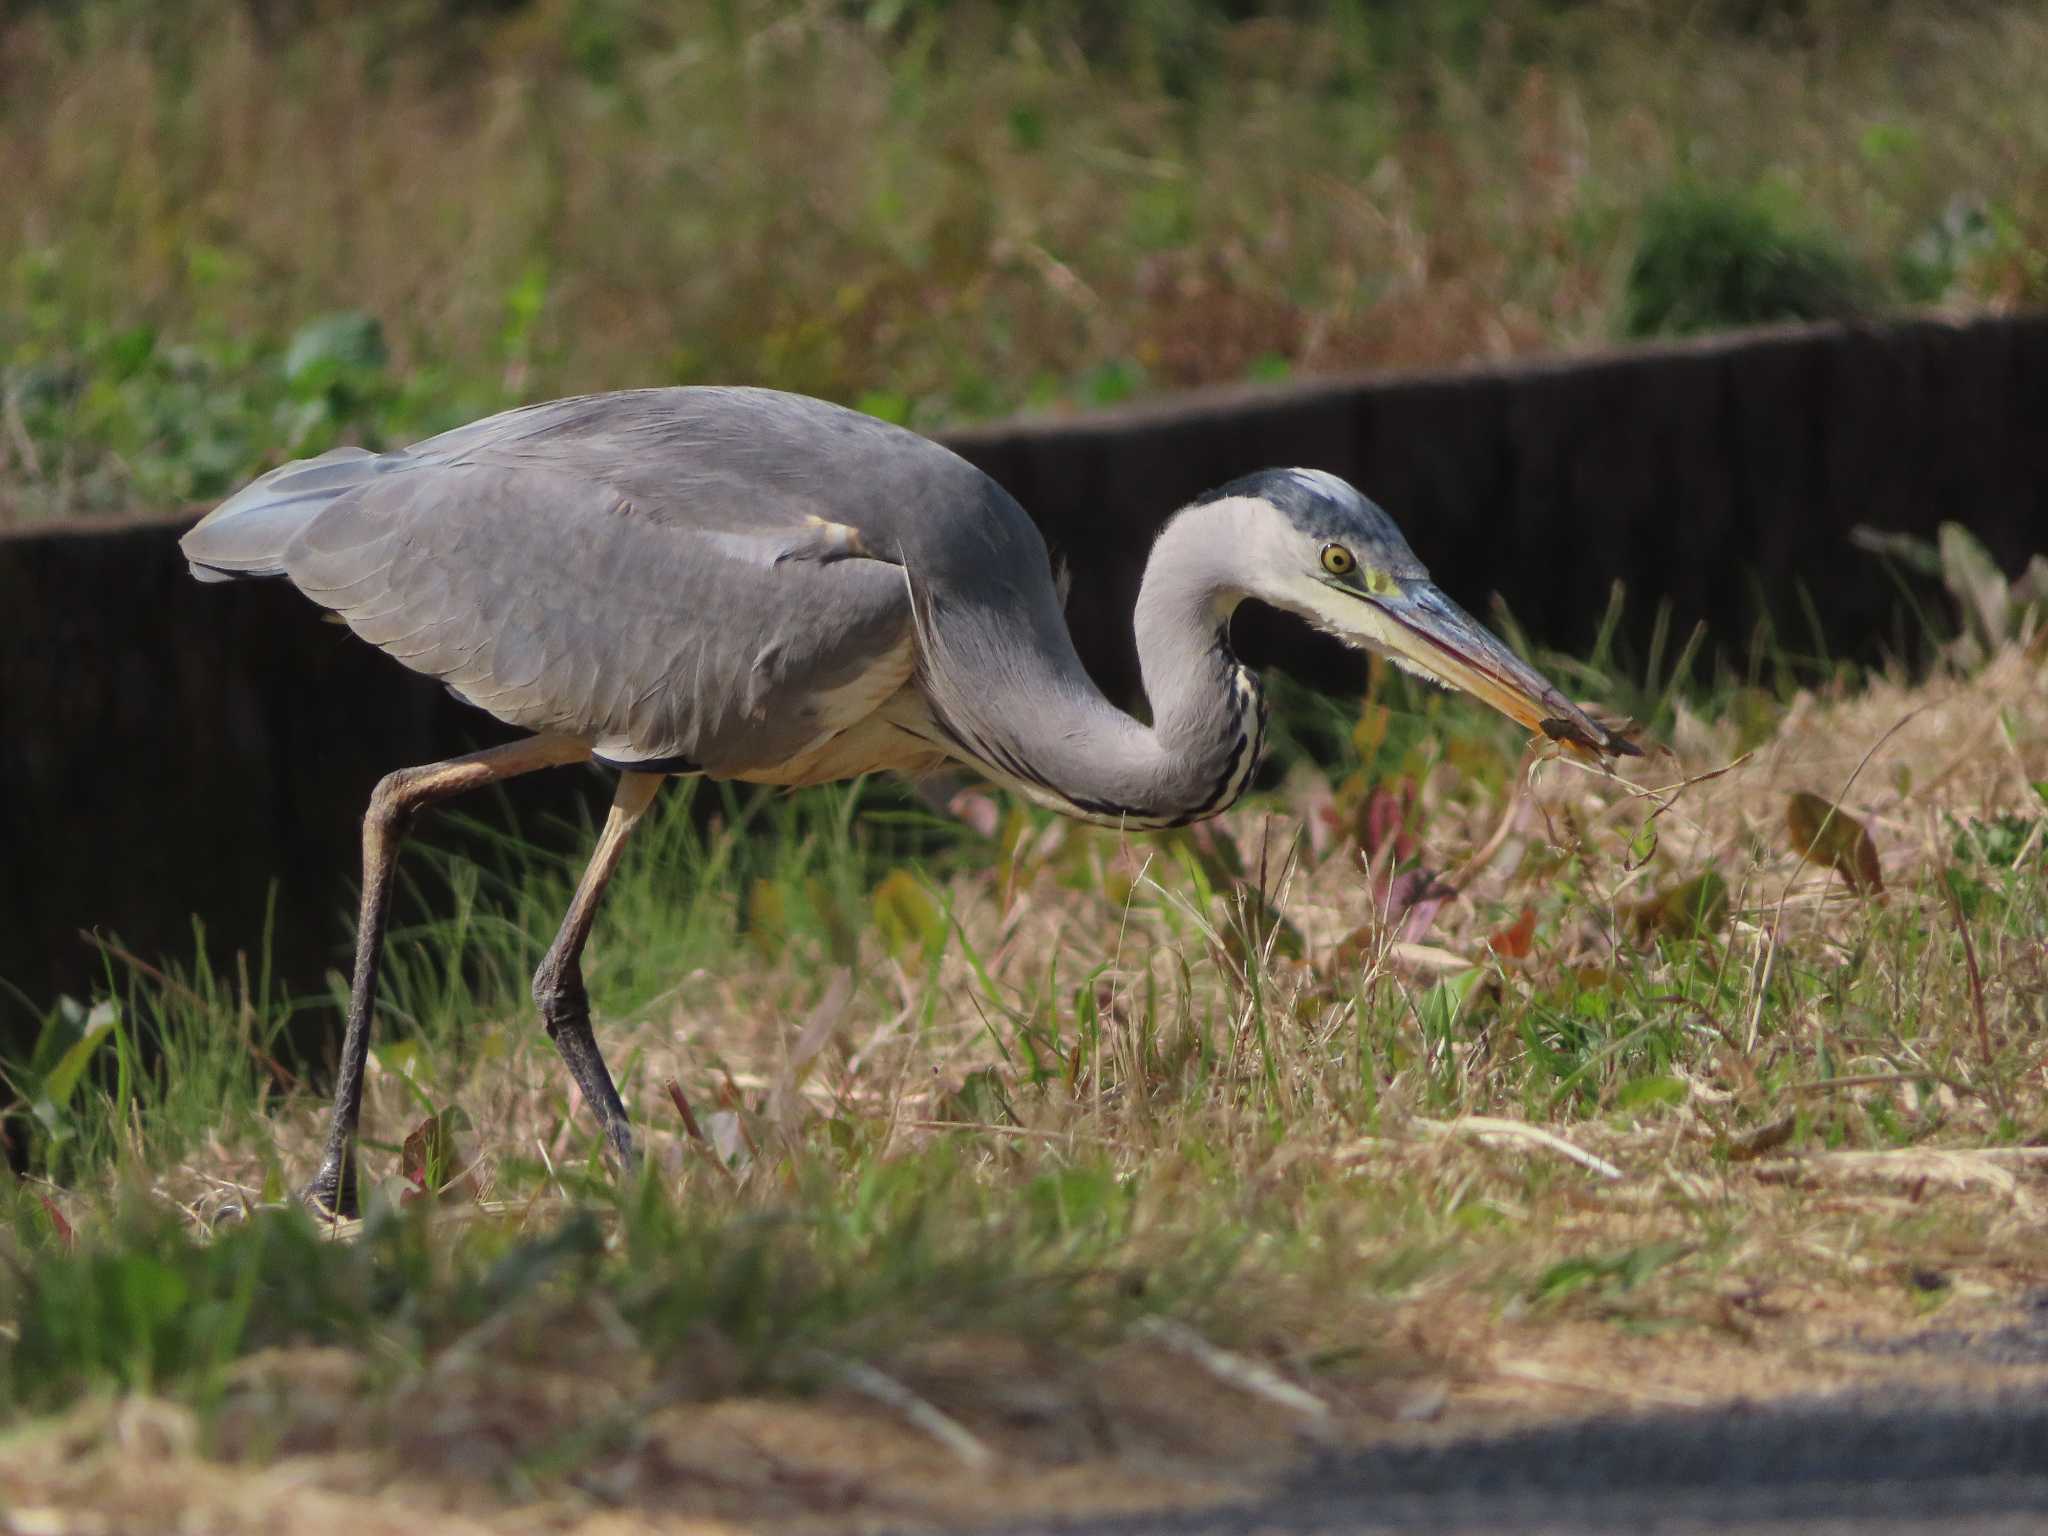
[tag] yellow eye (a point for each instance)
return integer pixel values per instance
(1338, 560)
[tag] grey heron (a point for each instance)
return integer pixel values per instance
(759, 586)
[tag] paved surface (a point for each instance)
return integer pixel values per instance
(1875, 1465)
(1885, 1469)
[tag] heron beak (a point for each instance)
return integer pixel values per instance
(1433, 635)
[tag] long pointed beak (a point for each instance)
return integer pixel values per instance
(1435, 635)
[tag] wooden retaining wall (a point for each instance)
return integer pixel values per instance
(168, 750)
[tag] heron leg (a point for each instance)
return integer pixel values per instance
(558, 984)
(396, 800)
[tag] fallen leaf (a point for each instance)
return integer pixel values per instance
(1515, 941)
(1382, 821)
(978, 811)
(906, 914)
(1367, 944)
(1356, 948)
(1370, 732)
(1696, 907)
(1413, 898)
(1760, 1139)
(767, 917)
(1827, 834)
(432, 1160)
(57, 1222)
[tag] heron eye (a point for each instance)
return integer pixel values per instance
(1338, 560)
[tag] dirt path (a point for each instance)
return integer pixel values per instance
(1943, 1428)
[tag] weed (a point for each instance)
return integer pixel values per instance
(1709, 258)
(1040, 206)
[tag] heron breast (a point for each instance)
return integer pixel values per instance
(852, 734)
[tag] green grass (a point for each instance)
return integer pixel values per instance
(236, 233)
(986, 1115)
(893, 1251)
(1711, 258)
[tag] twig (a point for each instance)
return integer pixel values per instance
(1976, 980)
(1666, 795)
(729, 1096)
(1876, 1080)
(1902, 1156)
(1490, 1128)
(1247, 1375)
(891, 1393)
(1763, 981)
(136, 962)
(695, 1131)
(1060, 277)
(1916, 1165)
(1428, 957)
(1473, 867)
(263, 1058)
(675, 1097)
(1021, 1132)
(1544, 1376)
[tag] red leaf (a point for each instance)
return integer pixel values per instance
(1515, 941)
(1383, 821)
(1412, 900)
(57, 1222)
(433, 1162)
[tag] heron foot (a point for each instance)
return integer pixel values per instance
(565, 1012)
(331, 1196)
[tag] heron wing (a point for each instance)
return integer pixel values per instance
(666, 572)
(557, 603)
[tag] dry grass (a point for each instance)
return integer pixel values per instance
(1626, 1170)
(949, 219)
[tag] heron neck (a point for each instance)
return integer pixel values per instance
(1208, 715)
(1002, 687)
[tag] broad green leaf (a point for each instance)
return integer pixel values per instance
(334, 344)
(63, 1078)
(1977, 584)
(1649, 1090)
(1441, 1005)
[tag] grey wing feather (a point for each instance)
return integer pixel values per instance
(671, 574)
(246, 535)
(547, 601)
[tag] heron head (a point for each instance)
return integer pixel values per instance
(1328, 553)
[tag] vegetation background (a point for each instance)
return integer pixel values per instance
(1000, 1163)
(234, 231)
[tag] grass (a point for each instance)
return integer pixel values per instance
(1050, 1169)
(239, 232)
(1040, 1168)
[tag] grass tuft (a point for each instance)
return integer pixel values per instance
(1711, 258)
(1421, 1078)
